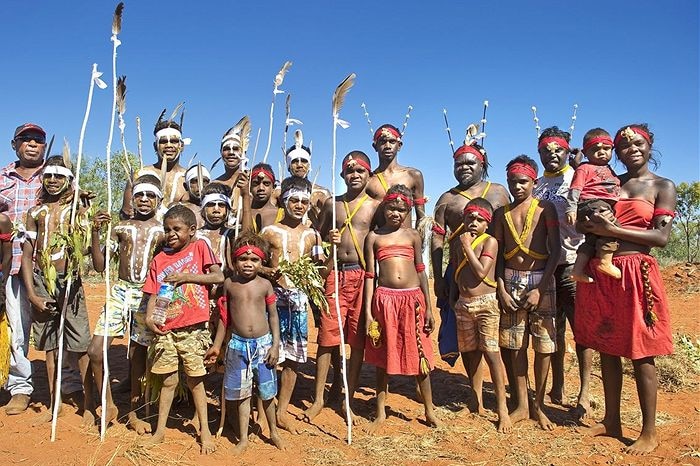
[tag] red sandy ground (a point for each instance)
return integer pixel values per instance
(466, 438)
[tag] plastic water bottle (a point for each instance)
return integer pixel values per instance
(165, 295)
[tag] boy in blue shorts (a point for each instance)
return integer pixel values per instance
(253, 336)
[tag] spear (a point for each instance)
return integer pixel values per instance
(94, 80)
(447, 128)
(369, 122)
(138, 132)
(573, 122)
(483, 123)
(279, 78)
(116, 29)
(337, 103)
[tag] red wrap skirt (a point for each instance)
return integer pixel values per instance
(613, 316)
(398, 352)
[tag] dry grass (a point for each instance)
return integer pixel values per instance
(140, 455)
(634, 418)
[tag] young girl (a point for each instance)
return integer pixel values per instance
(399, 305)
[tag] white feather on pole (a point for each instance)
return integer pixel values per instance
(279, 78)
(337, 103)
(94, 80)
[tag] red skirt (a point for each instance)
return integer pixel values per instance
(398, 352)
(612, 316)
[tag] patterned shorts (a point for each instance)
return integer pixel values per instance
(188, 344)
(294, 326)
(540, 323)
(477, 323)
(140, 333)
(245, 364)
(124, 300)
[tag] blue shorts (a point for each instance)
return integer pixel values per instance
(294, 326)
(245, 363)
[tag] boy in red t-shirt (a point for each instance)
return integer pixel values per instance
(189, 265)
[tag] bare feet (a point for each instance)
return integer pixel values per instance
(139, 426)
(643, 445)
(603, 428)
(111, 415)
(432, 419)
(208, 445)
(556, 397)
(582, 409)
(284, 422)
(47, 416)
(88, 419)
(520, 414)
(609, 269)
(581, 278)
(194, 422)
(375, 425)
(504, 424)
(155, 439)
(313, 411)
(542, 419)
(354, 418)
(240, 447)
(278, 442)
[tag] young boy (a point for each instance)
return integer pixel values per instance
(594, 190)
(135, 241)
(387, 142)
(194, 190)
(189, 265)
(355, 213)
(252, 337)
(290, 240)
(46, 262)
(476, 307)
(262, 185)
(399, 306)
(527, 231)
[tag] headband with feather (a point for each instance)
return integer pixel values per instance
(169, 126)
(298, 150)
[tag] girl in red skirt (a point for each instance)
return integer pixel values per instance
(399, 318)
(630, 317)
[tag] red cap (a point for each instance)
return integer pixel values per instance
(29, 127)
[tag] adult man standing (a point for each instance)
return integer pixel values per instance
(553, 186)
(387, 142)
(20, 183)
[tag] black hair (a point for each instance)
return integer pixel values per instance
(400, 189)
(485, 166)
(264, 166)
(357, 154)
(295, 182)
(181, 212)
(216, 187)
(166, 124)
(644, 127)
(67, 195)
(554, 131)
(481, 202)
(294, 147)
(150, 179)
(252, 239)
(522, 158)
(387, 125)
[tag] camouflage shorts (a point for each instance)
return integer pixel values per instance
(188, 344)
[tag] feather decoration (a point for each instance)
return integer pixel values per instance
(121, 95)
(536, 120)
(66, 155)
(50, 145)
(471, 134)
(405, 121)
(160, 118)
(340, 93)
(189, 164)
(216, 162)
(117, 19)
(279, 78)
(449, 132)
(182, 118)
(483, 123)
(369, 122)
(138, 131)
(175, 112)
(244, 128)
(573, 122)
(298, 139)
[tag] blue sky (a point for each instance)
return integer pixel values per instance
(620, 61)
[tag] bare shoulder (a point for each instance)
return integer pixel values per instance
(664, 184)
(5, 223)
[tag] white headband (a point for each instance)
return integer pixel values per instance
(146, 188)
(298, 153)
(300, 193)
(216, 197)
(172, 132)
(58, 170)
(234, 137)
(191, 174)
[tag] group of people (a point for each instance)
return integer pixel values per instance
(201, 279)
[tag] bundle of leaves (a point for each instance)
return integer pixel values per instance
(304, 275)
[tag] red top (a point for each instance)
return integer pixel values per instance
(190, 303)
(596, 182)
(634, 213)
(387, 252)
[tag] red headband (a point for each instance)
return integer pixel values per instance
(479, 210)
(545, 142)
(386, 131)
(360, 162)
(265, 172)
(597, 140)
(394, 196)
(247, 248)
(627, 134)
(467, 149)
(522, 169)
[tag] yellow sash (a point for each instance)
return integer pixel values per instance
(382, 181)
(520, 239)
(351, 230)
(459, 229)
(477, 241)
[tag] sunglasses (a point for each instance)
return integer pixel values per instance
(173, 140)
(28, 138)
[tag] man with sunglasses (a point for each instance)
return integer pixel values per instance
(20, 184)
